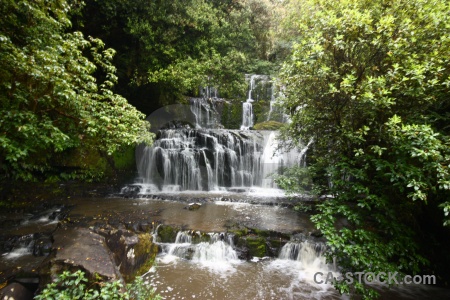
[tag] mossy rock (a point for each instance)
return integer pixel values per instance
(145, 252)
(200, 237)
(239, 232)
(167, 234)
(268, 125)
(124, 159)
(257, 246)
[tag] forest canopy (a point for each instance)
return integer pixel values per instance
(368, 82)
(366, 85)
(56, 91)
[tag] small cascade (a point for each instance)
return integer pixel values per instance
(257, 89)
(302, 154)
(182, 247)
(23, 246)
(305, 251)
(205, 112)
(247, 115)
(218, 248)
(36, 244)
(272, 103)
(309, 254)
(277, 113)
(209, 92)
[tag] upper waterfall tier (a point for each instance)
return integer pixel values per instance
(200, 159)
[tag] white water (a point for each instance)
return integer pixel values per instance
(214, 272)
(18, 252)
(217, 255)
(211, 160)
(204, 111)
(247, 115)
(247, 107)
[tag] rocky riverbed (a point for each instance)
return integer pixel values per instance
(114, 236)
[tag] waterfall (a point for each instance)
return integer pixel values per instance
(272, 160)
(23, 246)
(218, 249)
(309, 256)
(203, 157)
(205, 112)
(247, 115)
(255, 82)
(272, 103)
(210, 160)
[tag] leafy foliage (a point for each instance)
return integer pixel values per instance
(368, 81)
(170, 48)
(75, 286)
(50, 97)
(268, 125)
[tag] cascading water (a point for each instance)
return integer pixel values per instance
(205, 112)
(206, 158)
(247, 106)
(310, 254)
(194, 268)
(247, 115)
(201, 160)
(217, 250)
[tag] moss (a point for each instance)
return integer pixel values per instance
(256, 246)
(125, 159)
(268, 125)
(262, 233)
(145, 252)
(260, 110)
(167, 234)
(277, 243)
(203, 237)
(231, 117)
(80, 163)
(239, 232)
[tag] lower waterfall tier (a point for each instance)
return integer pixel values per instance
(205, 160)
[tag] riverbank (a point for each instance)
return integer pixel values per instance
(45, 228)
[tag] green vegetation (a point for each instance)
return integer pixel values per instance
(367, 81)
(168, 49)
(55, 91)
(75, 286)
(268, 125)
(256, 246)
(371, 79)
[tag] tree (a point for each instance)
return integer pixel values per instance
(368, 81)
(50, 99)
(168, 49)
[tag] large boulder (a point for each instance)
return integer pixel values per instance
(134, 253)
(80, 249)
(15, 291)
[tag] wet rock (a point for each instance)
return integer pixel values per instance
(79, 248)
(167, 234)
(15, 291)
(133, 253)
(42, 245)
(194, 206)
(256, 246)
(145, 226)
(316, 233)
